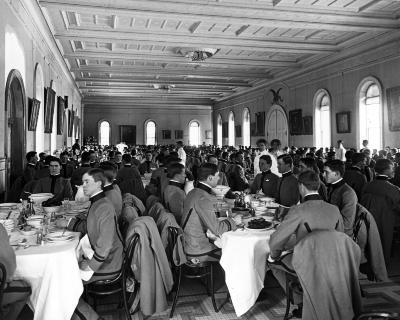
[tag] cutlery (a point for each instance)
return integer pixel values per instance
(8, 214)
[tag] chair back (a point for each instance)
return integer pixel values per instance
(3, 281)
(173, 233)
(130, 250)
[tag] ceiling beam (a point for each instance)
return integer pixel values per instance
(214, 61)
(166, 81)
(149, 88)
(268, 17)
(184, 41)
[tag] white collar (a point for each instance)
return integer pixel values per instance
(337, 181)
(95, 194)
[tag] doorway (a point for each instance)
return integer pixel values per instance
(277, 125)
(15, 129)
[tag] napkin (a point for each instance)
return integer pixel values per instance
(84, 250)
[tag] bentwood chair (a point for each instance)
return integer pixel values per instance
(378, 315)
(189, 270)
(3, 281)
(102, 288)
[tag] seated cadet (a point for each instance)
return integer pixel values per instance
(129, 180)
(354, 176)
(211, 158)
(313, 214)
(174, 194)
(340, 193)
(288, 191)
(31, 166)
(43, 168)
(16, 292)
(147, 165)
(76, 178)
(118, 160)
(67, 167)
(103, 234)
(54, 183)
(111, 189)
(266, 180)
(236, 174)
(199, 217)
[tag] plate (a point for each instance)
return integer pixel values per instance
(259, 230)
(8, 205)
(59, 236)
(28, 233)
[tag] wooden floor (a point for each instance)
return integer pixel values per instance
(194, 304)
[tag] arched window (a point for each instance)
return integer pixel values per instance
(370, 113)
(104, 133)
(151, 129)
(38, 89)
(246, 127)
(194, 133)
(322, 105)
(231, 129)
(219, 131)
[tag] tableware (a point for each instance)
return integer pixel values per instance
(28, 233)
(8, 206)
(267, 199)
(39, 198)
(35, 221)
(220, 191)
(53, 209)
(59, 236)
(258, 230)
(259, 224)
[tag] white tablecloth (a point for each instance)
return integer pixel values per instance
(53, 273)
(244, 255)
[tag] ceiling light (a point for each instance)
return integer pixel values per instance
(197, 54)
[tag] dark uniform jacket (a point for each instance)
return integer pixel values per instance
(113, 193)
(356, 179)
(60, 187)
(267, 182)
(198, 217)
(76, 178)
(104, 237)
(129, 181)
(311, 215)
(30, 172)
(236, 178)
(344, 197)
(174, 196)
(382, 199)
(67, 169)
(146, 167)
(288, 190)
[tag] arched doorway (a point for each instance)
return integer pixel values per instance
(15, 142)
(277, 125)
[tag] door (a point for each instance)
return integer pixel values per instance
(277, 125)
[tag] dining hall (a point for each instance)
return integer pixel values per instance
(199, 160)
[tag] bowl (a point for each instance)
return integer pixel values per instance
(38, 198)
(51, 210)
(220, 190)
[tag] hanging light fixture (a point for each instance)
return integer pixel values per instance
(197, 54)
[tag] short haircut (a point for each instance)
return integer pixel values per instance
(98, 175)
(118, 153)
(85, 157)
(91, 151)
(52, 159)
(340, 141)
(211, 156)
(179, 143)
(42, 154)
(349, 155)
(64, 153)
(310, 179)
(382, 165)
(206, 170)
(262, 140)
(174, 169)
(335, 165)
(30, 155)
(358, 157)
(111, 154)
(286, 159)
(266, 158)
(277, 141)
(127, 158)
(109, 169)
(311, 164)
(133, 152)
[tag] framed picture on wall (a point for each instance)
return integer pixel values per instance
(260, 123)
(296, 122)
(307, 125)
(393, 101)
(178, 134)
(60, 115)
(50, 96)
(238, 131)
(343, 122)
(208, 134)
(71, 117)
(253, 130)
(166, 134)
(33, 113)
(127, 134)
(225, 129)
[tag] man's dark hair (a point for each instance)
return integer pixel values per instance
(382, 165)
(91, 151)
(309, 179)
(358, 157)
(211, 156)
(109, 169)
(335, 165)
(266, 158)
(349, 155)
(111, 154)
(262, 140)
(42, 154)
(179, 143)
(85, 157)
(133, 152)
(64, 153)
(30, 155)
(206, 170)
(52, 159)
(127, 158)
(118, 153)
(277, 141)
(98, 175)
(311, 164)
(286, 159)
(174, 168)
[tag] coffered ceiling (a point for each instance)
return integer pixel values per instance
(120, 49)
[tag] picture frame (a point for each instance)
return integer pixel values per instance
(253, 131)
(343, 122)
(33, 113)
(296, 122)
(50, 96)
(208, 134)
(260, 123)
(225, 129)
(60, 115)
(393, 103)
(71, 118)
(166, 134)
(238, 131)
(127, 133)
(307, 125)
(178, 134)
